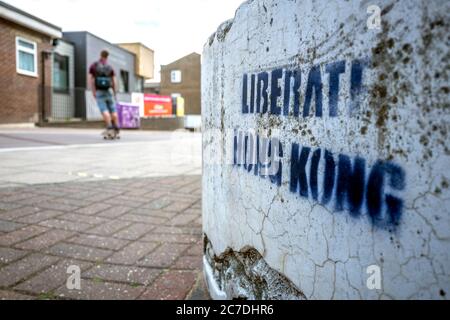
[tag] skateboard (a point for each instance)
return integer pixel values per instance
(111, 135)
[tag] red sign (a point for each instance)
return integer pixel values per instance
(157, 106)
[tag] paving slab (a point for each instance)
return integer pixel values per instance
(99, 290)
(69, 250)
(128, 274)
(130, 224)
(52, 278)
(94, 241)
(21, 269)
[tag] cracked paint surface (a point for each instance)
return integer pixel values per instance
(403, 117)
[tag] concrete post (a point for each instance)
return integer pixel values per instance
(326, 156)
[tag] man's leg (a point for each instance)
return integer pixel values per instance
(107, 119)
(115, 120)
(111, 104)
(102, 104)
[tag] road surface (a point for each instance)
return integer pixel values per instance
(126, 213)
(41, 155)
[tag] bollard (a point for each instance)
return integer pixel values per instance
(325, 150)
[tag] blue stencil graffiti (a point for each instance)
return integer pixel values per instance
(343, 184)
(259, 155)
(346, 180)
(259, 97)
(340, 182)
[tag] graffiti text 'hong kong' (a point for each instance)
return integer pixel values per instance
(338, 181)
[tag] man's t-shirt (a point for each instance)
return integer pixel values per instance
(94, 66)
(103, 76)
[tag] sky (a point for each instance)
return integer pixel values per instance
(172, 28)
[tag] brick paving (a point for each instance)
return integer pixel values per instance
(132, 239)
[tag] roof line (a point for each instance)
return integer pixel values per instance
(140, 43)
(165, 65)
(95, 36)
(19, 11)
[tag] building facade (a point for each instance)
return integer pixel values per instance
(63, 81)
(26, 43)
(87, 51)
(145, 59)
(183, 78)
(152, 87)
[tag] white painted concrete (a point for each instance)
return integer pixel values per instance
(213, 287)
(402, 120)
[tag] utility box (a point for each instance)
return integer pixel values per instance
(128, 116)
(326, 162)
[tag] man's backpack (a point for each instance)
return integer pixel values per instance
(103, 76)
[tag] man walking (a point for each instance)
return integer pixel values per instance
(102, 80)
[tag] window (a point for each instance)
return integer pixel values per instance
(175, 76)
(139, 85)
(26, 57)
(61, 73)
(124, 81)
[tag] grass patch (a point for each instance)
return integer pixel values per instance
(47, 296)
(98, 280)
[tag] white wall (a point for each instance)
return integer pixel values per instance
(397, 135)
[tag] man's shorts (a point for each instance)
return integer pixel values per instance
(105, 101)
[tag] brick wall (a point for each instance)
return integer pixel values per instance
(20, 94)
(189, 87)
